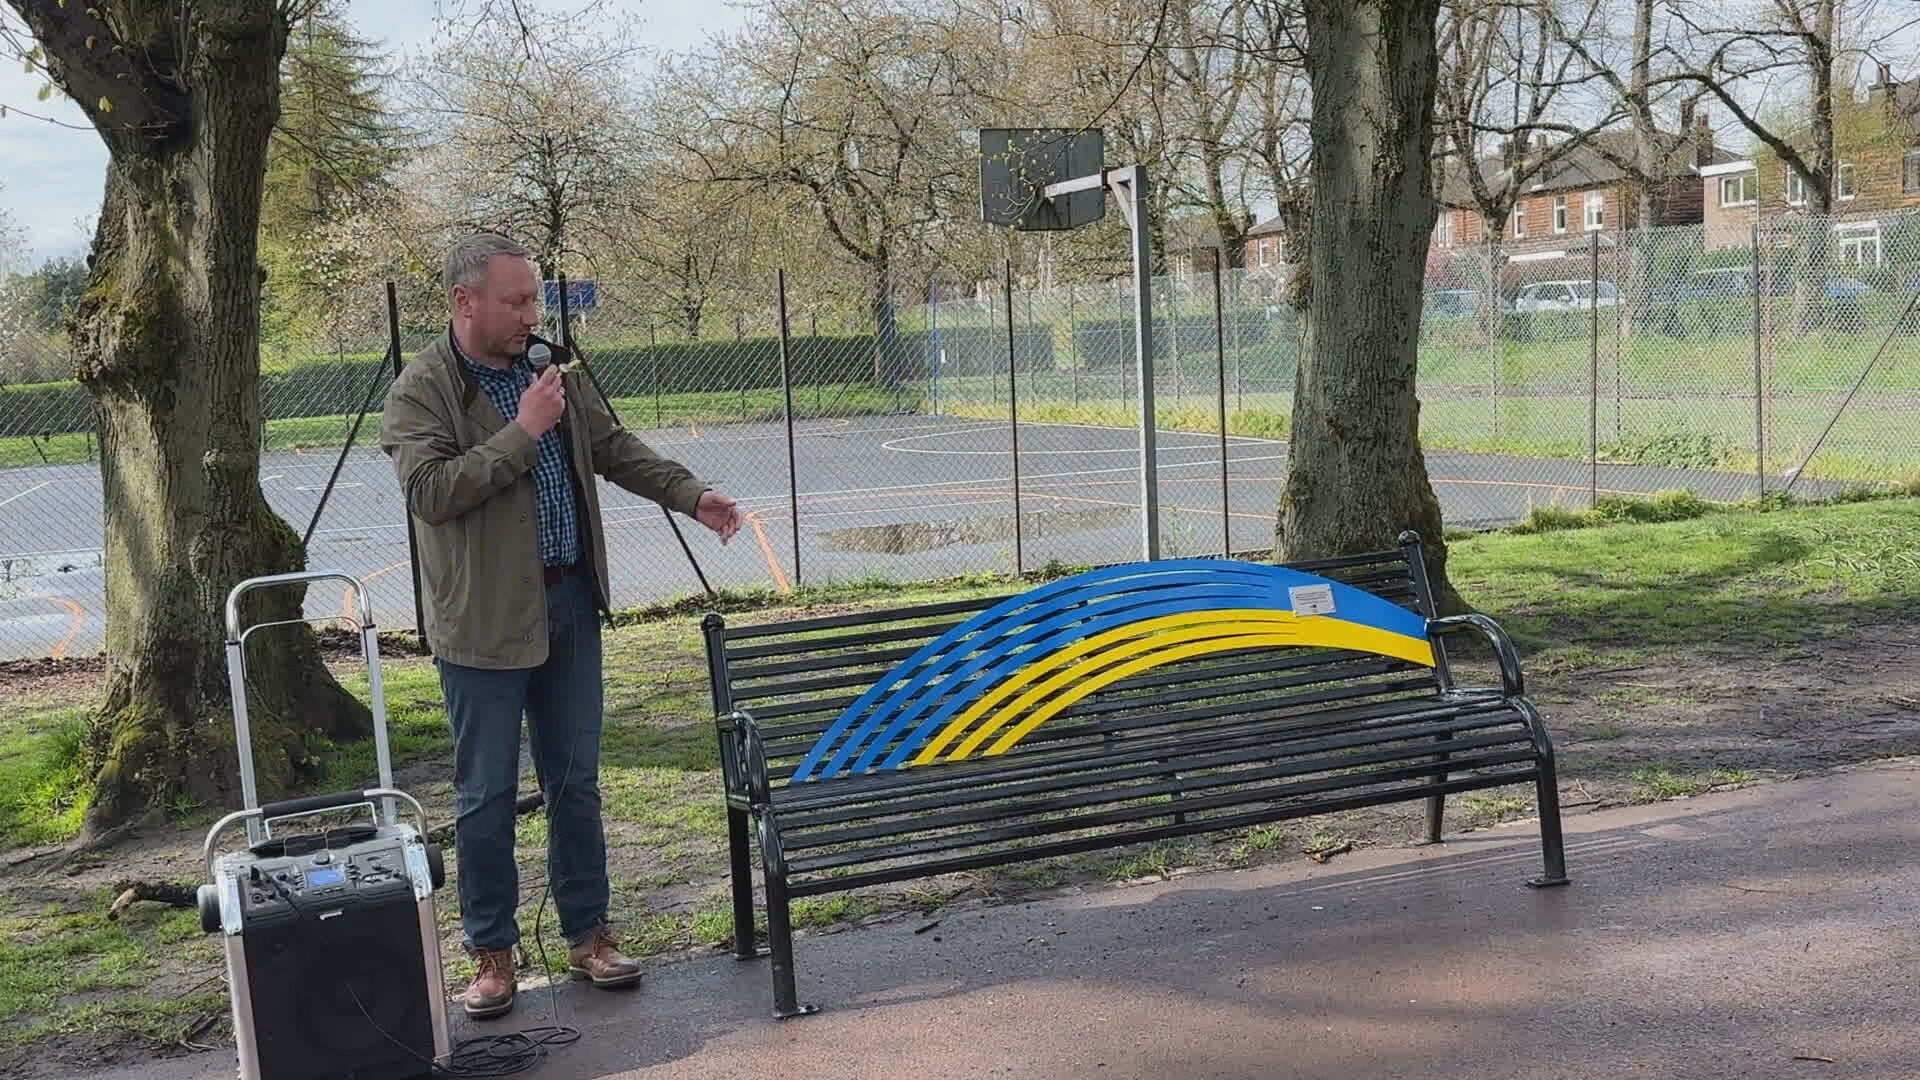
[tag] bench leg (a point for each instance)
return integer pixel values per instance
(786, 1002)
(1552, 846)
(1437, 804)
(740, 859)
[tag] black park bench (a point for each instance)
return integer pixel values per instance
(1128, 704)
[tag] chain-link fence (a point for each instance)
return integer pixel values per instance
(885, 441)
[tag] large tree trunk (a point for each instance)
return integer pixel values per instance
(1357, 477)
(167, 341)
(889, 359)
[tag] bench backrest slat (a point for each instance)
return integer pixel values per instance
(799, 676)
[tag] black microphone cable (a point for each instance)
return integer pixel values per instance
(571, 349)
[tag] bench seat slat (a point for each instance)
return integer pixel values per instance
(1151, 737)
(1198, 771)
(1021, 830)
(1195, 824)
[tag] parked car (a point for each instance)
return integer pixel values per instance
(1576, 295)
(1452, 302)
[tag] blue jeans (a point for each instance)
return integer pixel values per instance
(562, 700)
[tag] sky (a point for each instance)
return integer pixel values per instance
(51, 177)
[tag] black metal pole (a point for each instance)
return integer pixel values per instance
(1013, 411)
(573, 349)
(1759, 382)
(786, 390)
(1593, 377)
(1220, 357)
(413, 541)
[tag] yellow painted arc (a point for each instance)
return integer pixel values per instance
(1011, 685)
(1063, 675)
(1085, 677)
(1353, 636)
(1156, 633)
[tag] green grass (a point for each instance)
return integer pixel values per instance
(1730, 582)
(1657, 783)
(1254, 841)
(1478, 811)
(57, 967)
(1156, 861)
(42, 798)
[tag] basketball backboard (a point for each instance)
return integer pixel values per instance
(1017, 163)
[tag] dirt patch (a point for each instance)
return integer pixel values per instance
(71, 678)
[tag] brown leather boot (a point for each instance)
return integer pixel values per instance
(491, 993)
(599, 958)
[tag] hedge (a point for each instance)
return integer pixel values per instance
(335, 387)
(1108, 343)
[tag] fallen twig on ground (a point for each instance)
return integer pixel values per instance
(129, 893)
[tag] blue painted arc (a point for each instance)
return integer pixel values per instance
(936, 649)
(1081, 589)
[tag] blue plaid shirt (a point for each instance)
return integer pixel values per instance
(553, 486)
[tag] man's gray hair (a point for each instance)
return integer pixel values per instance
(467, 261)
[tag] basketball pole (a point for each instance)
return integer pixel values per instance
(1130, 185)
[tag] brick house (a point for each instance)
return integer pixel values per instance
(1876, 173)
(1582, 192)
(1264, 245)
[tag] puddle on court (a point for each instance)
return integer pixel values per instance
(910, 537)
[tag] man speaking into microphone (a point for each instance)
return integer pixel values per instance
(498, 461)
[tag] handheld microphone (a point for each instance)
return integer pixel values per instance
(541, 352)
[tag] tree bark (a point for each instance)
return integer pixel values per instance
(1357, 477)
(166, 339)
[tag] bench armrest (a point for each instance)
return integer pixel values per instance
(1511, 681)
(743, 757)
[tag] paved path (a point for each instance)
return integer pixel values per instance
(1719, 937)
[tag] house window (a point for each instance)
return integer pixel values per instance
(1519, 219)
(1596, 211)
(1843, 181)
(1796, 188)
(1559, 213)
(1443, 228)
(1859, 243)
(1910, 172)
(1738, 190)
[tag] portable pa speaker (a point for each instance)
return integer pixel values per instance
(332, 949)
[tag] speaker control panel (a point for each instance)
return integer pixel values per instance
(368, 871)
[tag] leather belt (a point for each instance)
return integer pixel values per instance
(555, 573)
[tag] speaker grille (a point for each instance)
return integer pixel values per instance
(303, 978)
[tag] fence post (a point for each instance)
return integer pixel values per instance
(1013, 414)
(1593, 371)
(653, 372)
(413, 541)
(1220, 397)
(933, 348)
(786, 392)
(1759, 383)
(1073, 343)
(1493, 336)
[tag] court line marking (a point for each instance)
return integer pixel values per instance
(346, 591)
(766, 549)
(77, 616)
(24, 494)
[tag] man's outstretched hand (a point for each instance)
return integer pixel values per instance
(719, 513)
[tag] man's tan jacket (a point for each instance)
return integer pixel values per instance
(468, 478)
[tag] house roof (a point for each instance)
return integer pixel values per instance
(1585, 165)
(1267, 228)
